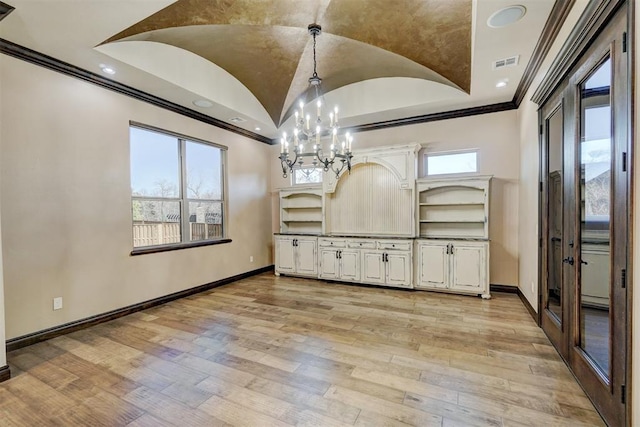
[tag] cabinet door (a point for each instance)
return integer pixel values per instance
(398, 269)
(329, 264)
(595, 275)
(433, 266)
(373, 269)
(285, 255)
(306, 261)
(350, 265)
(468, 267)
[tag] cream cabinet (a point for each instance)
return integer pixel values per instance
(337, 261)
(457, 266)
(596, 273)
(389, 264)
(296, 255)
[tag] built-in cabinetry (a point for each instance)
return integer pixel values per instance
(596, 258)
(456, 266)
(388, 264)
(429, 234)
(452, 249)
(453, 208)
(339, 259)
(301, 210)
(296, 255)
(371, 261)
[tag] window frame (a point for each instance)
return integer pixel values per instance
(298, 184)
(183, 198)
(427, 155)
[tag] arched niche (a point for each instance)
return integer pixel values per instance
(376, 198)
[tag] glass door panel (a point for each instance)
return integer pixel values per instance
(595, 154)
(555, 199)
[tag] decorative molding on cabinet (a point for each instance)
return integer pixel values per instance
(399, 159)
(370, 202)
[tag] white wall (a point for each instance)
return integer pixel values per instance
(496, 138)
(66, 208)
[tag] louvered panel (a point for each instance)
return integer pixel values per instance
(370, 201)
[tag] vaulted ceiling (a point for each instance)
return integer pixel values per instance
(265, 45)
(250, 60)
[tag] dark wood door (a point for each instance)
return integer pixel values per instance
(585, 212)
(556, 170)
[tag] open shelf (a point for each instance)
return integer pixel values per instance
(301, 211)
(453, 208)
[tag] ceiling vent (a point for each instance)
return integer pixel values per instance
(237, 120)
(506, 62)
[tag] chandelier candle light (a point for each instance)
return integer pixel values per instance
(306, 136)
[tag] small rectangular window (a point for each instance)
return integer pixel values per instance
(450, 163)
(177, 191)
(307, 176)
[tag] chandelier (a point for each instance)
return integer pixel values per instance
(305, 141)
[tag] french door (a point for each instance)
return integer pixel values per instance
(585, 212)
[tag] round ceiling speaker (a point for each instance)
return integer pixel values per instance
(506, 16)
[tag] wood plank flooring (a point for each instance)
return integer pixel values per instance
(280, 351)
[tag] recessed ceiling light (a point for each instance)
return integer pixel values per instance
(237, 119)
(502, 83)
(204, 103)
(257, 128)
(107, 69)
(506, 16)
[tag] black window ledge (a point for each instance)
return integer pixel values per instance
(177, 246)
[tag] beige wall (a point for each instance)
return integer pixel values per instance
(496, 138)
(66, 214)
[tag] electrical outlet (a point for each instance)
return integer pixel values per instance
(57, 303)
(251, 258)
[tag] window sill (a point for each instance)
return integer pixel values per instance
(178, 246)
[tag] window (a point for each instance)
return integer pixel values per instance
(177, 189)
(447, 163)
(307, 176)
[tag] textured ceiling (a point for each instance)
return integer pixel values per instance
(266, 46)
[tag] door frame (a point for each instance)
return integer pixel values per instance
(594, 20)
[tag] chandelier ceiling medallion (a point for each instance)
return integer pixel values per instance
(307, 137)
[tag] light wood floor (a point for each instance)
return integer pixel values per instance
(284, 351)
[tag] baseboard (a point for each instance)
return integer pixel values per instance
(5, 373)
(26, 340)
(503, 288)
(528, 306)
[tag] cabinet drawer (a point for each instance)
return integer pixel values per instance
(332, 243)
(399, 246)
(364, 244)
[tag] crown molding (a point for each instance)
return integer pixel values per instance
(596, 14)
(558, 15)
(42, 60)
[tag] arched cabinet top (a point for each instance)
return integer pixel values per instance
(400, 160)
